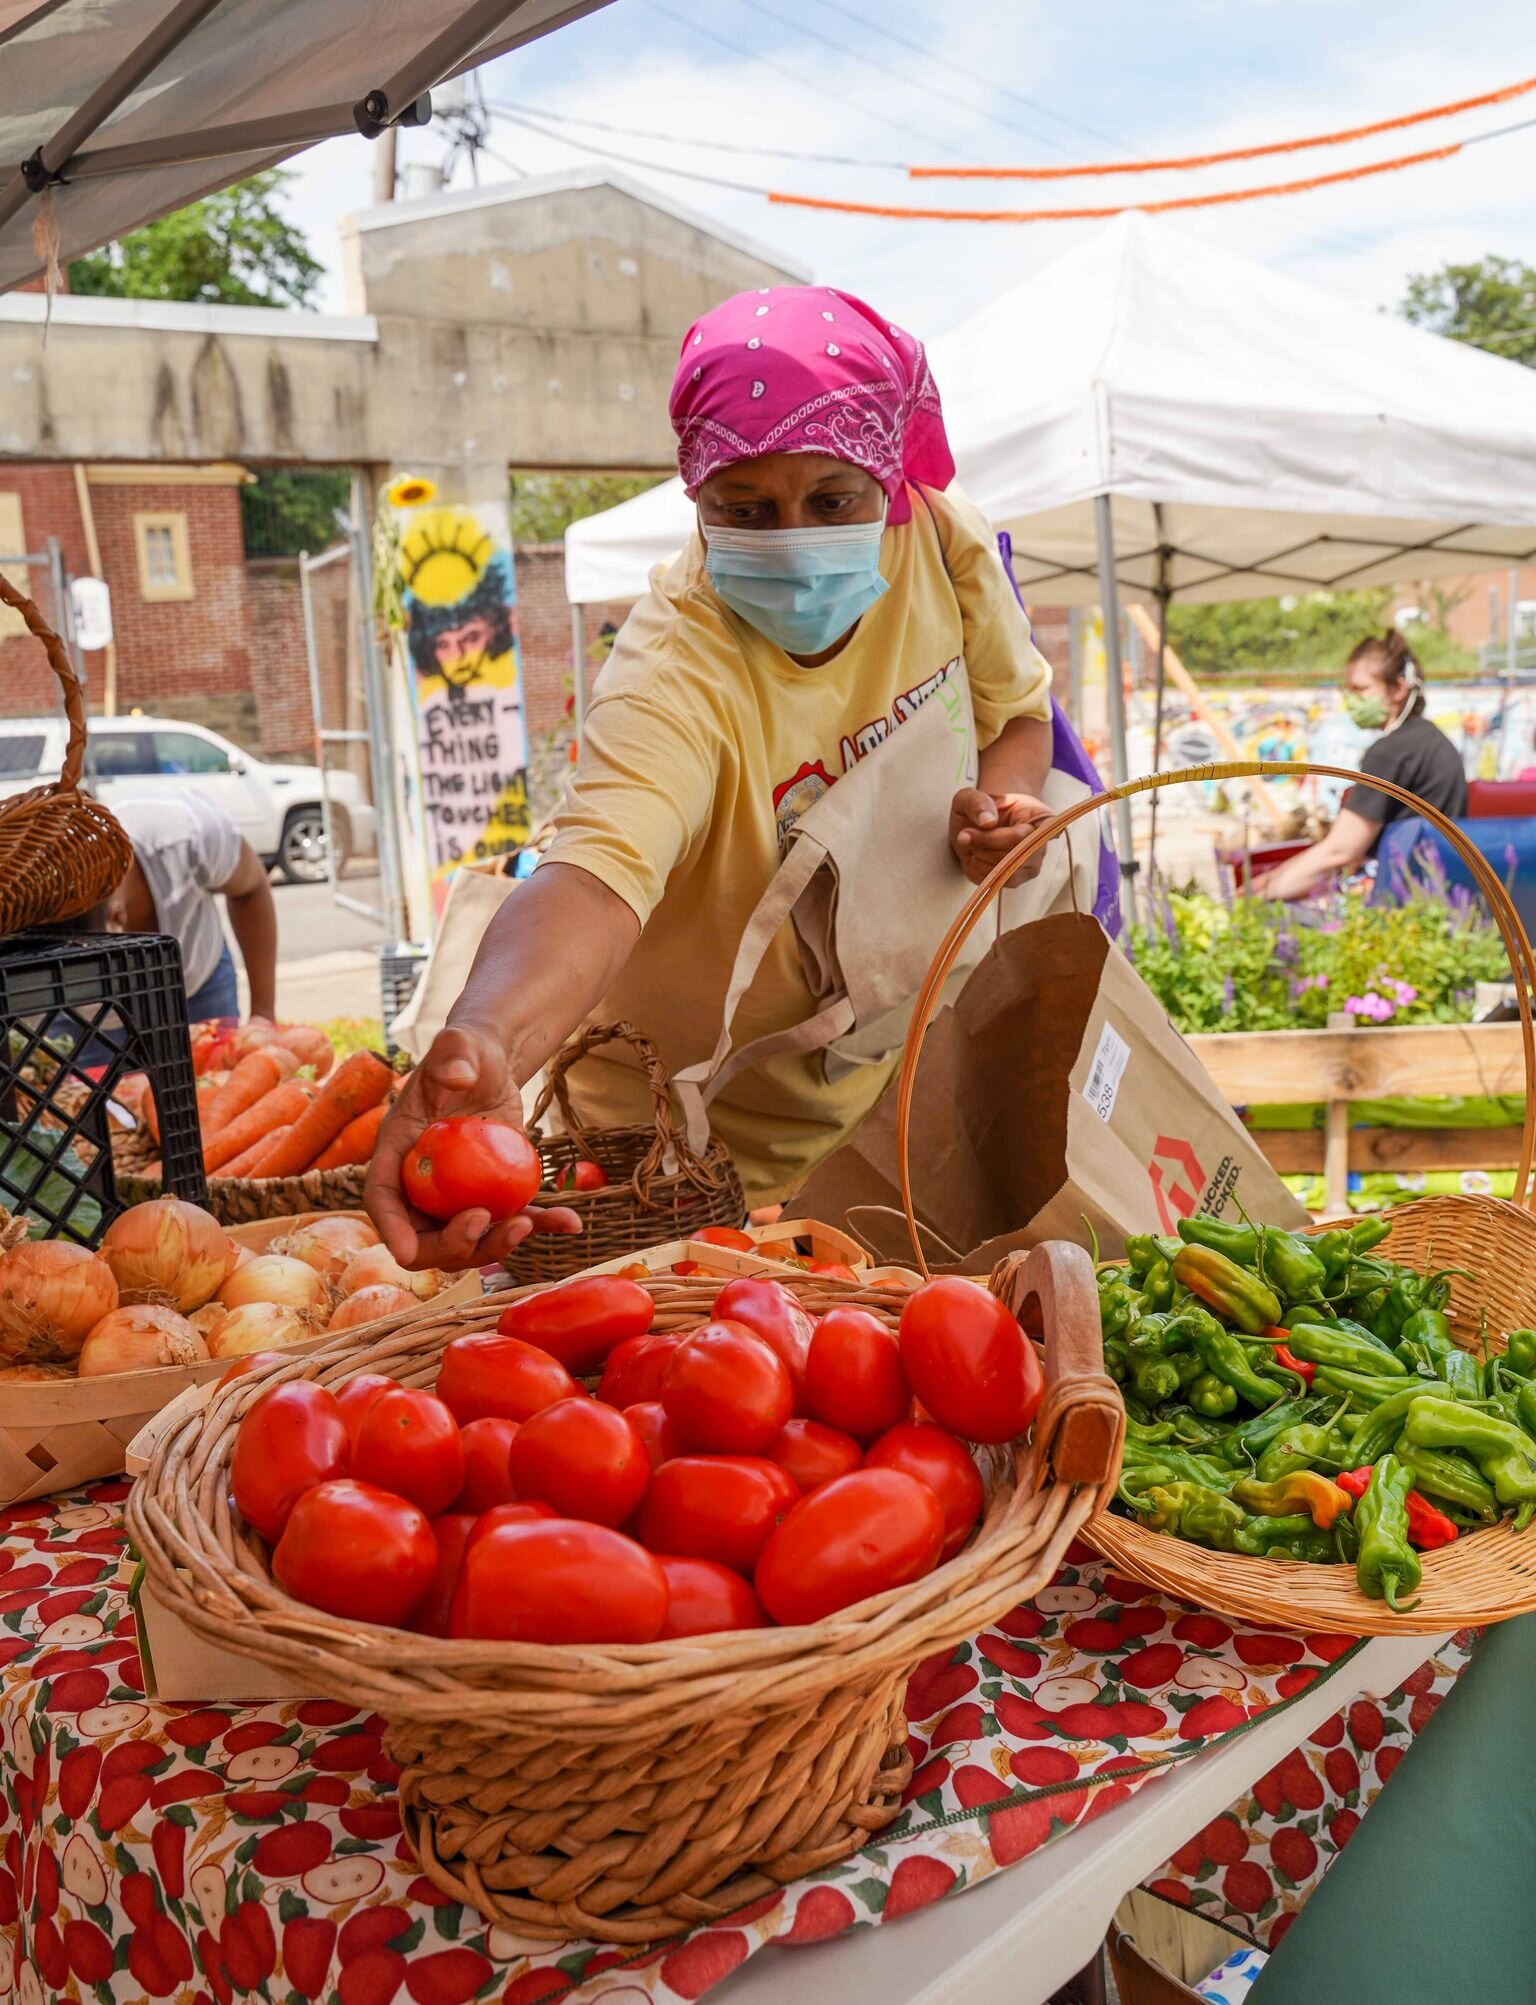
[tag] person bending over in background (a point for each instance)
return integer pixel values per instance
(185, 850)
(1384, 691)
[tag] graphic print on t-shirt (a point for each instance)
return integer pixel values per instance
(804, 788)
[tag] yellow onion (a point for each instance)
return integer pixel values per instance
(376, 1266)
(259, 1326)
(208, 1318)
(139, 1338)
(51, 1294)
(276, 1277)
(367, 1304)
(39, 1374)
(327, 1244)
(168, 1251)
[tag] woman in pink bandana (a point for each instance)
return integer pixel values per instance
(836, 583)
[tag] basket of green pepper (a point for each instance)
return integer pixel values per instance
(1333, 1429)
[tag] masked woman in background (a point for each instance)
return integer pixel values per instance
(833, 592)
(1384, 691)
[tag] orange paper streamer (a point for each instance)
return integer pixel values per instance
(1233, 153)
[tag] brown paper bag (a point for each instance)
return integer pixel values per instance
(1053, 1089)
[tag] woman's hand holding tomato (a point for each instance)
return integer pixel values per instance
(464, 1073)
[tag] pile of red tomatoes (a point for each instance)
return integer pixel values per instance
(766, 1467)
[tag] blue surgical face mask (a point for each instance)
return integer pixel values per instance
(803, 588)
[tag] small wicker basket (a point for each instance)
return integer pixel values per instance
(60, 852)
(629, 1793)
(658, 1188)
(1484, 1576)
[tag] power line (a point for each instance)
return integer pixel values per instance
(629, 160)
(705, 145)
(767, 62)
(974, 76)
(928, 87)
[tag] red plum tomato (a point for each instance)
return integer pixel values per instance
(293, 1438)
(580, 1321)
(582, 1457)
(726, 1391)
(358, 1552)
(942, 1461)
(489, 1377)
(719, 1507)
(969, 1361)
(560, 1581)
(853, 1378)
(854, 1537)
(704, 1597)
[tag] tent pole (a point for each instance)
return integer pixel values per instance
(578, 671)
(1164, 593)
(1109, 603)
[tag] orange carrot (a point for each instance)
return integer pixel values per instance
(253, 1077)
(355, 1142)
(246, 1161)
(310, 1046)
(284, 1103)
(152, 1117)
(357, 1084)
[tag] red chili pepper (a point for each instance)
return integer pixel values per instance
(1357, 1481)
(1283, 1355)
(1427, 1527)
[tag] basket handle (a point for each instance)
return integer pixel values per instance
(1511, 931)
(669, 1153)
(68, 781)
(1080, 1427)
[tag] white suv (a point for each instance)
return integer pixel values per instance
(276, 808)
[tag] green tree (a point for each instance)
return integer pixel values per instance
(289, 509)
(1490, 304)
(544, 505)
(1308, 639)
(233, 248)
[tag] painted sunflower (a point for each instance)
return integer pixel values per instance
(411, 490)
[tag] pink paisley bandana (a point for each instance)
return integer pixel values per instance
(807, 369)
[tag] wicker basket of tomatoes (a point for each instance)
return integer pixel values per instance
(642, 1653)
(632, 1187)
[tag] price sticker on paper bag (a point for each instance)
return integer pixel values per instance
(1108, 1069)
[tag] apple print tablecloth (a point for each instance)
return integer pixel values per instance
(205, 1853)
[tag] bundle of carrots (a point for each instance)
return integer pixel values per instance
(265, 1122)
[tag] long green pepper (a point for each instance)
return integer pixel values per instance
(1387, 1563)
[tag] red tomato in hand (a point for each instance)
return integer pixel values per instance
(970, 1363)
(452, 1533)
(582, 1176)
(531, 1510)
(857, 1536)
(853, 1377)
(726, 1391)
(355, 1395)
(487, 1480)
(293, 1438)
(935, 1457)
(769, 1311)
(582, 1457)
(486, 1377)
(704, 1597)
(720, 1507)
(409, 1443)
(358, 1552)
(469, 1162)
(637, 1368)
(560, 1582)
(648, 1417)
(580, 1321)
(813, 1454)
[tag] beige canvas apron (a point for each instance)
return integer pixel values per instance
(870, 885)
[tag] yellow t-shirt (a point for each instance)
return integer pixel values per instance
(703, 742)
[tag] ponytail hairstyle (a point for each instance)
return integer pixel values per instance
(1388, 656)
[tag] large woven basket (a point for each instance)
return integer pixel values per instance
(60, 852)
(658, 1188)
(1484, 1576)
(629, 1793)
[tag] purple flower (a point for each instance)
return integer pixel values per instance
(1285, 947)
(1227, 995)
(1370, 1005)
(1405, 992)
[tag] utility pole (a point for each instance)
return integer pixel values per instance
(384, 164)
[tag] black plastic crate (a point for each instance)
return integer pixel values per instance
(401, 966)
(78, 1012)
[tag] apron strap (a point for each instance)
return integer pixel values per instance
(697, 1085)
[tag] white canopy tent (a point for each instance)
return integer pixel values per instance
(1155, 418)
(121, 113)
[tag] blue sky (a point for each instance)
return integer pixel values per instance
(1113, 78)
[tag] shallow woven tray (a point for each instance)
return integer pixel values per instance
(629, 1793)
(658, 1188)
(249, 1200)
(1485, 1576)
